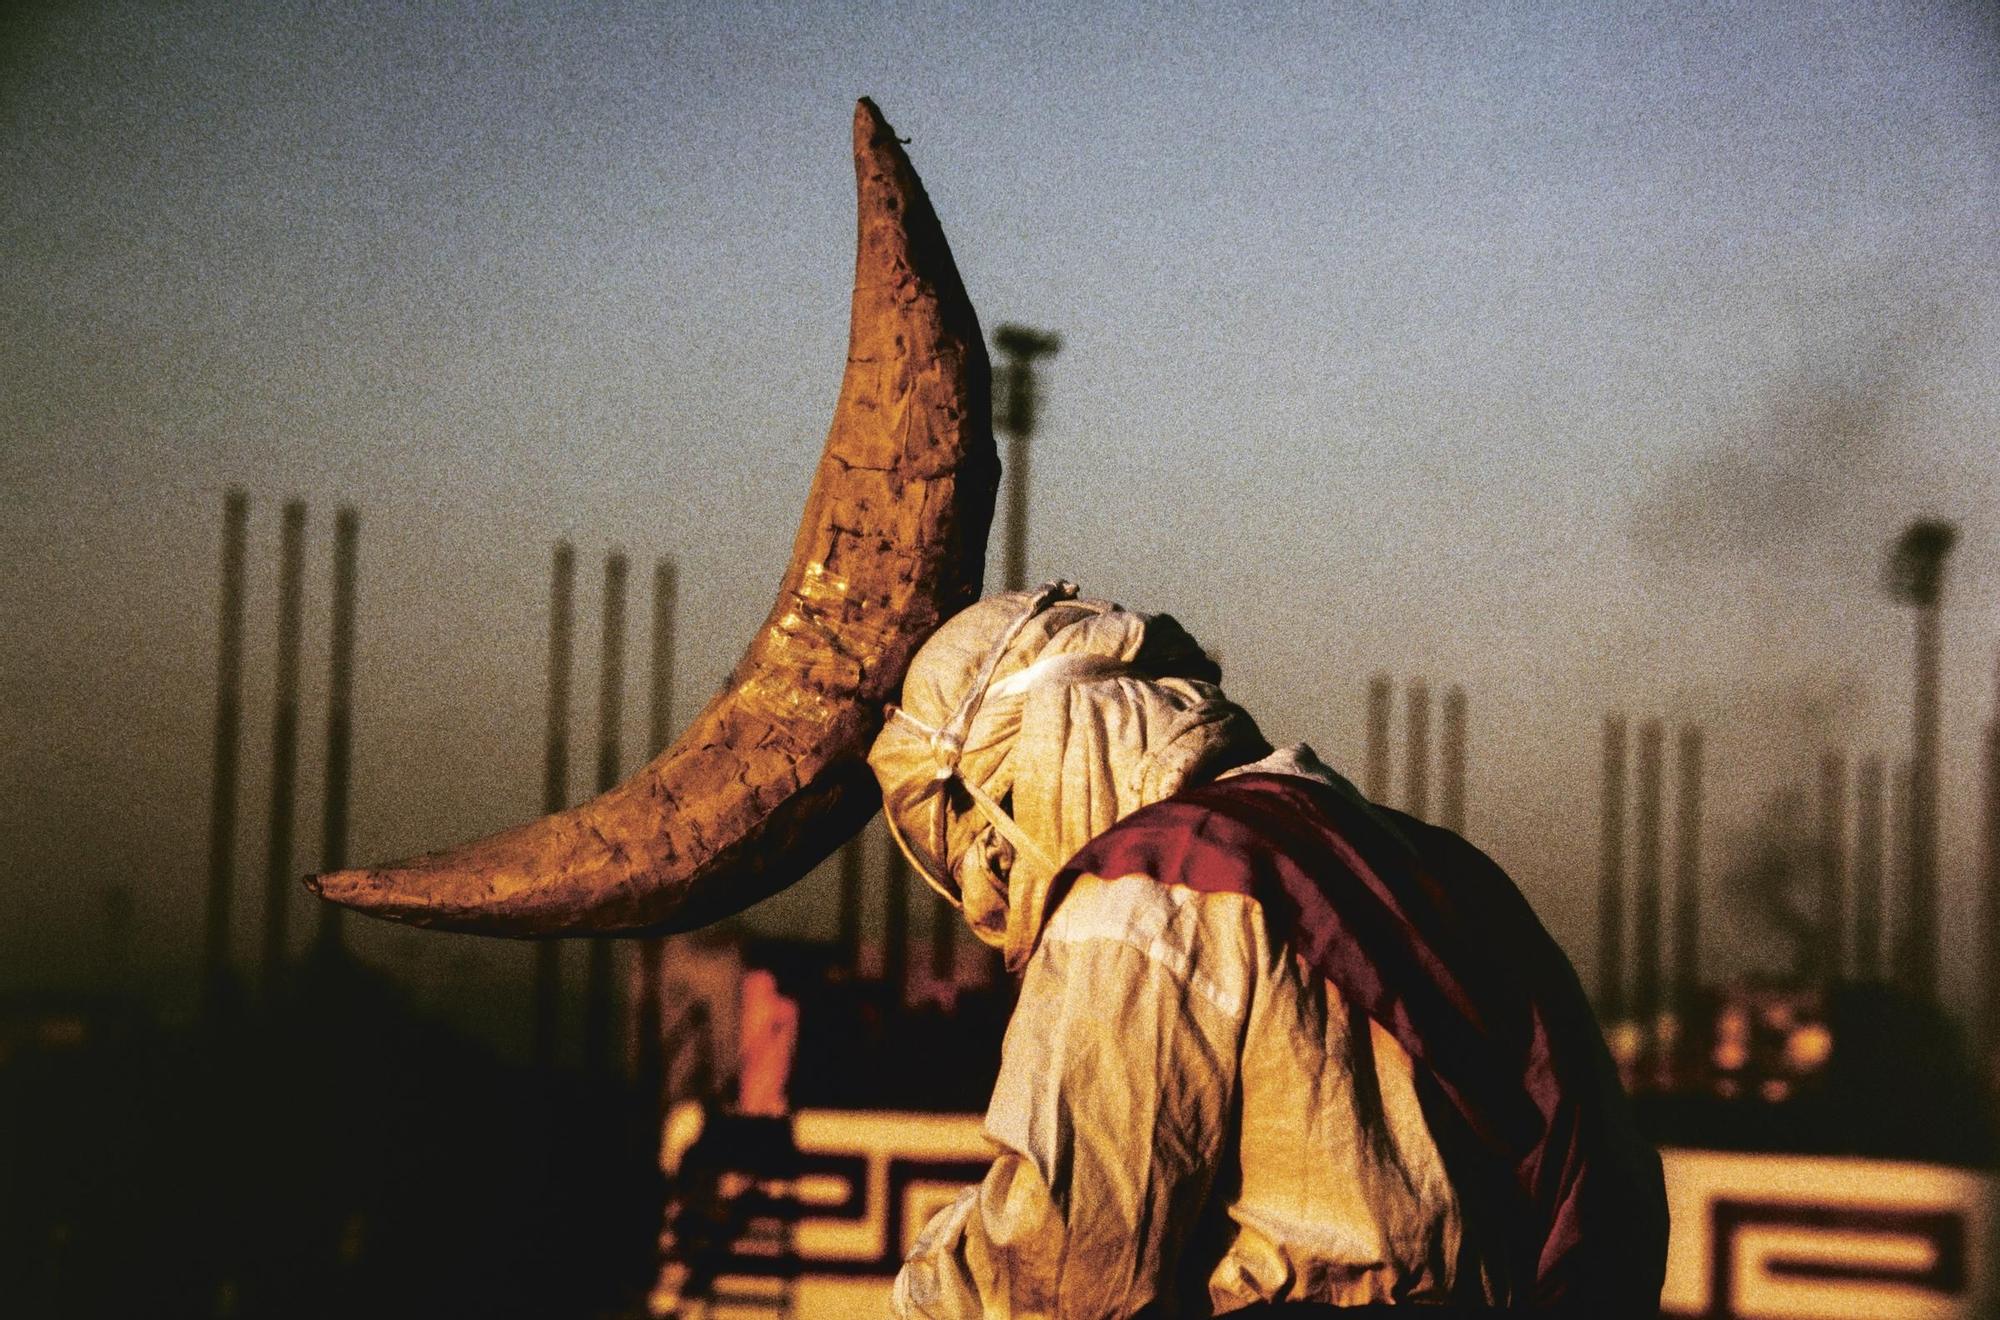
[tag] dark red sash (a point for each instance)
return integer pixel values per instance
(1427, 936)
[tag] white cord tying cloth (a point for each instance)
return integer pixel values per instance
(1032, 722)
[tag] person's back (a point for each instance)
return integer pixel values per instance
(1205, 1120)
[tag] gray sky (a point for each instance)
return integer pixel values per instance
(1587, 359)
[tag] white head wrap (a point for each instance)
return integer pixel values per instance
(1032, 722)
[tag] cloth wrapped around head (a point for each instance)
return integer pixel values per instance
(1032, 722)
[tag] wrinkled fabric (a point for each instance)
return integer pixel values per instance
(1089, 712)
(1421, 932)
(1190, 1119)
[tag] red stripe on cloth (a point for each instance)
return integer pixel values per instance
(1427, 936)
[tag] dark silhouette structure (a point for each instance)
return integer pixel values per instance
(597, 990)
(1916, 577)
(555, 782)
(1988, 1009)
(279, 880)
(1646, 876)
(1868, 857)
(339, 718)
(216, 977)
(1417, 750)
(1451, 807)
(649, 1064)
(1018, 402)
(1611, 875)
(1687, 878)
(1381, 702)
(1833, 866)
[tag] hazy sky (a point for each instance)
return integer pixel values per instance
(1585, 360)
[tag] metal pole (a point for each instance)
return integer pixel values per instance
(1989, 962)
(1832, 959)
(284, 749)
(649, 1056)
(339, 718)
(611, 674)
(660, 721)
(597, 991)
(1381, 703)
(1916, 573)
(1611, 874)
(1020, 402)
(1451, 813)
(1646, 878)
(1868, 872)
(555, 785)
(1918, 963)
(227, 753)
(1417, 751)
(896, 921)
(1687, 880)
(1014, 563)
(228, 739)
(1902, 815)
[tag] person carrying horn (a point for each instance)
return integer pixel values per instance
(1274, 1043)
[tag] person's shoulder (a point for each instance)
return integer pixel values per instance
(1132, 908)
(1184, 842)
(1207, 942)
(1166, 879)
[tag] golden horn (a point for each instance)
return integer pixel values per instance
(771, 777)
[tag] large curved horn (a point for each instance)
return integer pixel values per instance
(770, 778)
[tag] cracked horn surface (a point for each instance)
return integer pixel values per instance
(771, 777)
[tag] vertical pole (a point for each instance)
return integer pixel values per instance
(1020, 401)
(284, 749)
(1917, 961)
(650, 1061)
(555, 785)
(228, 739)
(1916, 577)
(339, 718)
(896, 921)
(611, 673)
(660, 718)
(1832, 953)
(1014, 560)
(1646, 879)
(1989, 954)
(597, 993)
(1902, 817)
(1868, 872)
(1451, 813)
(1611, 875)
(1417, 750)
(1687, 880)
(1381, 702)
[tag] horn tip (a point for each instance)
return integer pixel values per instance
(345, 887)
(870, 127)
